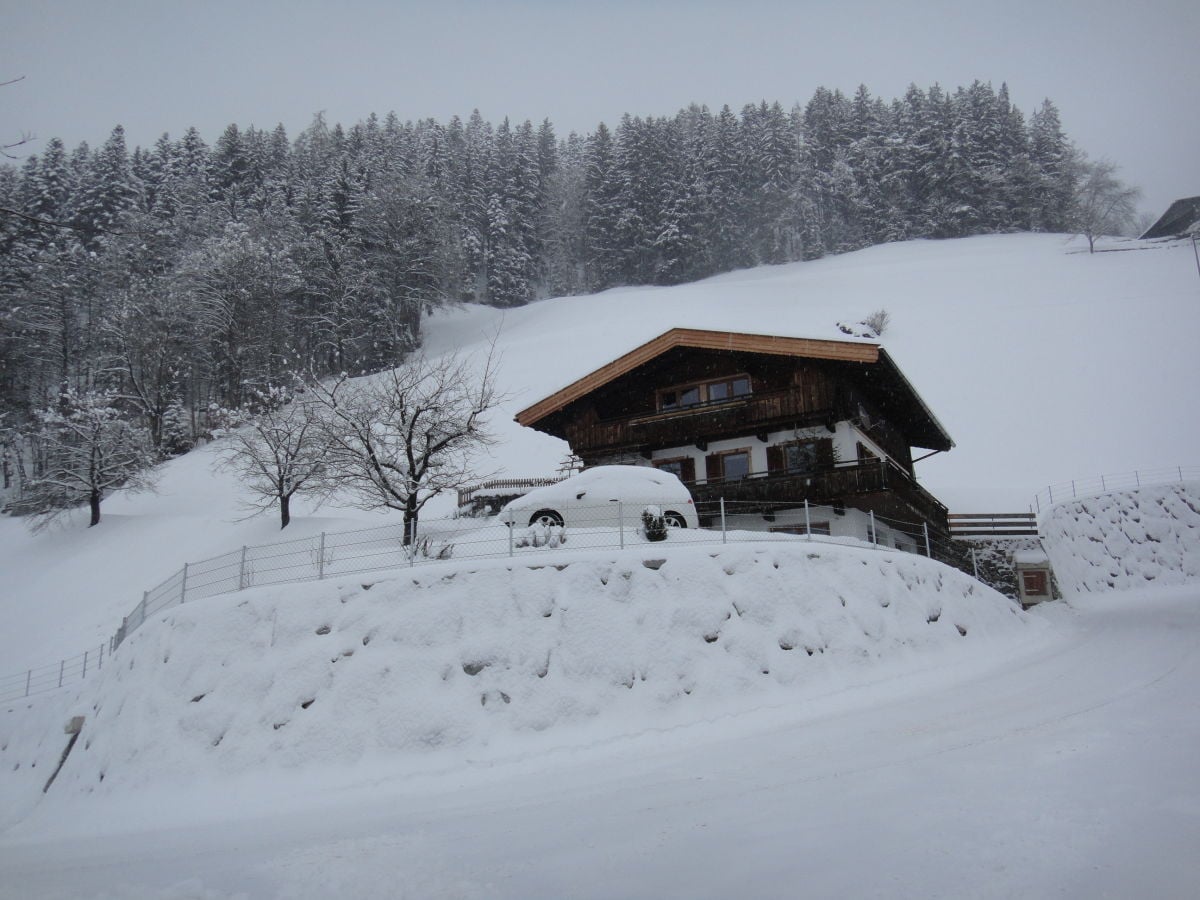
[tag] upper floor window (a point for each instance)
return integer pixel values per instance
(706, 392)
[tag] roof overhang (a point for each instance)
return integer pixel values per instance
(706, 340)
(738, 342)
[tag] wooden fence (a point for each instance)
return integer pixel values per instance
(965, 525)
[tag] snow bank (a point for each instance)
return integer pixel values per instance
(461, 656)
(1124, 540)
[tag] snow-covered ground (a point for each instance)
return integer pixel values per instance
(1049, 753)
(1045, 363)
(1062, 767)
(1126, 539)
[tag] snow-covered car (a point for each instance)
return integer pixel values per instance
(602, 496)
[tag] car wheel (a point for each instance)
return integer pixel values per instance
(674, 520)
(547, 517)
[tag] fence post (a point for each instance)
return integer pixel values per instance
(511, 527)
(874, 538)
(183, 585)
(974, 564)
(1103, 485)
(723, 538)
(621, 522)
(28, 675)
(925, 528)
(62, 664)
(807, 521)
(242, 571)
(1050, 491)
(321, 561)
(1137, 477)
(100, 658)
(1074, 496)
(85, 656)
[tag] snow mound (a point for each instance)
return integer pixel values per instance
(1125, 540)
(464, 655)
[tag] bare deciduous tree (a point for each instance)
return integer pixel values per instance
(1103, 203)
(400, 438)
(280, 453)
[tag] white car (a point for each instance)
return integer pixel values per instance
(596, 497)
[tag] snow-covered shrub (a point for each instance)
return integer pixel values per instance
(539, 535)
(654, 524)
(425, 548)
(878, 321)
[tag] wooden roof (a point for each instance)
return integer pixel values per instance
(809, 348)
(1176, 221)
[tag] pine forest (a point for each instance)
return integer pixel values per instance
(173, 284)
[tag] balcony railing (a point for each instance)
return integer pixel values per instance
(710, 421)
(838, 484)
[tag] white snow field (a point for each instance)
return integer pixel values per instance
(758, 719)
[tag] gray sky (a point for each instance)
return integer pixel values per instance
(1123, 75)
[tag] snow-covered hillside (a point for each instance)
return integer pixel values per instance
(1125, 540)
(687, 720)
(1045, 363)
(456, 657)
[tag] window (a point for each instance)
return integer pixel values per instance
(735, 465)
(729, 466)
(708, 392)
(800, 457)
(814, 528)
(1035, 584)
(683, 468)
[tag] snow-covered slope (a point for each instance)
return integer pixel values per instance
(1044, 362)
(609, 725)
(458, 656)
(1125, 540)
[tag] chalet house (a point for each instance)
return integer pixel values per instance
(766, 424)
(1177, 220)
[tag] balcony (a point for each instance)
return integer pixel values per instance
(706, 422)
(873, 483)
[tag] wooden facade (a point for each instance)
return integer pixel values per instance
(757, 419)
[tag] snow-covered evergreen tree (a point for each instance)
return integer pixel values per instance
(85, 450)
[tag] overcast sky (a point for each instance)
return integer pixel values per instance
(1124, 75)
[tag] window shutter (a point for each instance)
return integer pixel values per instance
(775, 459)
(688, 472)
(712, 466)
(825, 453)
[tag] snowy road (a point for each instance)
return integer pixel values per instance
(1071, 771)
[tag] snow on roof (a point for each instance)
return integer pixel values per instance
(1030, 557)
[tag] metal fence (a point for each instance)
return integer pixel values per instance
(1103, 484)
(51, 677)
(594, 527)
(578, 527)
